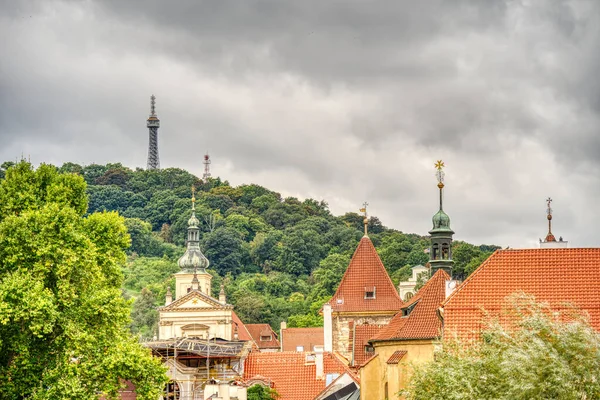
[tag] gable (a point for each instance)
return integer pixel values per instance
(193, 299)
(366, 285)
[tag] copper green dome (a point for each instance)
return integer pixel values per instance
(193, 222)
(441, 222)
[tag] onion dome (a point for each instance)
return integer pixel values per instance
(441, 222)
(193, 259)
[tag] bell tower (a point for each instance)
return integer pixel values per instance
(440, 253)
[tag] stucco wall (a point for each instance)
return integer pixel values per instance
(377, 372)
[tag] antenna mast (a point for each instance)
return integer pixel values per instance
(206, 163)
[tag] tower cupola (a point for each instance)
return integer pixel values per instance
(193, 259)
(440, 253)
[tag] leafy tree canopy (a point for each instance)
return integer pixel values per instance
(63, 321)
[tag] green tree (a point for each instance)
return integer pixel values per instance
(226, 250)
(144, 315)
(543, 354)
(260, 392)
(63, 321)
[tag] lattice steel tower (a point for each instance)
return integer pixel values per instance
(153, 123)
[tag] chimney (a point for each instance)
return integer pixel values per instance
(319, 362)
(168, 296)
(327, 328)
(282, 326)
(451, 286)
(222, 298)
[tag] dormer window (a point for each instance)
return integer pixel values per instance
(406, 311)
(369, 348)
(370, 292)
(265, 338)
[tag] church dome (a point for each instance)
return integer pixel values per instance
(193, 222)
(441, 222)
(193, 258)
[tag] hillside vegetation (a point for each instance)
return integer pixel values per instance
(279, 258)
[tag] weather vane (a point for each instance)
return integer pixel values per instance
(366, 220)
(439, 174)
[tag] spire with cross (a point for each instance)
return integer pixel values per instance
(366, 219)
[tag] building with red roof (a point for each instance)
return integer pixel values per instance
(410, 337)
(366, 295)
(301, 339)
(558, 276)
(295, 375)
(264, 337)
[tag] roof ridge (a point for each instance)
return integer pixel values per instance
(365, 267)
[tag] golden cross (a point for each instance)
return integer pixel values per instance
(439, 164)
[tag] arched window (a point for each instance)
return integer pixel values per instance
(172, 391)
(445, 251)
(435, 250)
(408, 296)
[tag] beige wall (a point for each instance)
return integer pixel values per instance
(183, 281)
(218, 322)
(377, 372)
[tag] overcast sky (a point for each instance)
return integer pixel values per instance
(344, 101)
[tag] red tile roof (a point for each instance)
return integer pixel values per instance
(423, 321)
(291, 375)
(243, 333)
(365, 272)
(258, 331)
(555, 276)
(396, 357)
(363, 334)
(291, 338)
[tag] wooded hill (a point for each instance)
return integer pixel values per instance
(279, 258)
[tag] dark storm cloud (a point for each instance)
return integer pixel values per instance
(338, 100)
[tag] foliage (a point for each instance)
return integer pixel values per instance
(280, 257)
(260, 392)
(543, 354)
(63, 321)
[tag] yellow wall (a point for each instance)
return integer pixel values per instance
(377, 372)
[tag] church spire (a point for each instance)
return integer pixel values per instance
(549, 237)
(193, 259)
(440, 254)
(366, 219)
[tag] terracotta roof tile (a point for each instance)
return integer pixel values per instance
(243, 333)
(555, 276)
(292, 338)
(396, 357)
(365, 271)
(290, 374)
(258, 331)
(364, 333)
(422, 322)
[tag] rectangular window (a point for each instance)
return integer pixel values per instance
(299, 348)
(265, 338)
(370, 292)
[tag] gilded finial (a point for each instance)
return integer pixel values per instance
(366, 220)
(439, 165)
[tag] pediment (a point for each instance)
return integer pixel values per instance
(194, 299)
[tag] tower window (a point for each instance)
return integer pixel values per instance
(370, 292)
(445, 251)
(435, 252)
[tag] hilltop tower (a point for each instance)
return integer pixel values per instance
(440, 254)
(153, 123)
